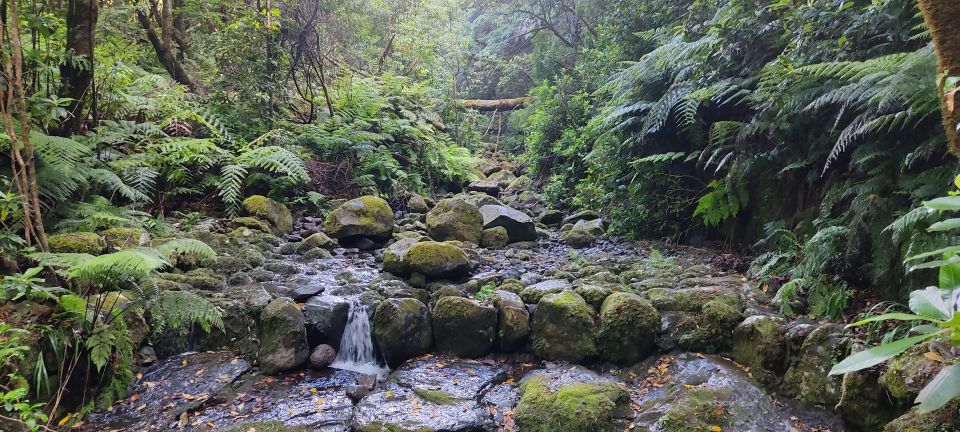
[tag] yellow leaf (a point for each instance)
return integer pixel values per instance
(64, 420)
(187, 396)
(139, 376)
(932, 356)
(389, 393)
(313, 390)
(715, 429)
(321, 401)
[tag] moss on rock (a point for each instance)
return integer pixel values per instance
(402, 329)
(455, 219)
(316, 240)
(513, 321)
(252, 223)
(628, 328)
(436, 259)
(463, 327)
(580, 407)
(77, 242)
(494, 238)
(367, 216)
(123, 237)
(283, 337)
(563, 328)
(265, 208)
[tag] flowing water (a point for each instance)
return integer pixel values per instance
(356, 347)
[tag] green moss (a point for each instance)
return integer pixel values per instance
(563, 328)
(438, 397)
(594, 294)
(273, 426)
(121, 237)
(436, 259)
(628, 328)
(257, 205)
(455, 219)
(689, 299)
(367, 216)
(587, 407)
(252, 223)
(202, 279)
(266, 208)
(699, 409)
(77, 242)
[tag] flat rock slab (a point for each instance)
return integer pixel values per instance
(696, 392)
(431, 393)
(172, 387)
(315, 401)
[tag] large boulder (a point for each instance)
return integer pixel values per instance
(571, 400)
(488, 187)
(77, 242)
(463, 327)
(365, 217)
(628, 328)
(807, 378)
(495, 238)
(283, 337)
(520, 227)
(325, 317)
(578, 239)
(759, 342)
(513, 321)
(277, 214)
(563, 328)
(402, 329)
(436, 260)
(533, 293)
(393, 256)
(455, 219)
(417, 204)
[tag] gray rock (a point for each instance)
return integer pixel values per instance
(402, 329)
(520, 227)
(322, 356)
(283, 337)
(325, 317)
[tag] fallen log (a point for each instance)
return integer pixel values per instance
(495, 104)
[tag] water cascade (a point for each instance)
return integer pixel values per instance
(356, 347)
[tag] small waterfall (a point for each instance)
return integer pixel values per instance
(356, 347)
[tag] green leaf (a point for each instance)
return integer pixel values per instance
(947, 225)
(930, 303)
(940, 390)
(950, 276)
(877, 355)
(944, 203)
(890, 316)
(947, 251)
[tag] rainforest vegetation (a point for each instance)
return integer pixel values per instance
(808, 146)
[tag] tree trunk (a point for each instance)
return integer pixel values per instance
(495, 104)
(943, 19)
(163, 43)
(76, 73)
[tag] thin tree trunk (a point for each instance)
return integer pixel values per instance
(77, 79)
(943, 19)
(163, 43)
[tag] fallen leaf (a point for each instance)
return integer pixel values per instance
(313, 389)
(933, 356)
(715, 429)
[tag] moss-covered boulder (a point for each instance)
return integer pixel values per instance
(594, 294)
(77, 242)
(759, 342)
(463, 327)
(594, 227)
(908, 373)
(578, 239)
(942, 420)
(807, 378)
(277, 214)
(533, 293)
(417, 204)
(283, 337)
(455, 219)
(402, 329)
(436, 260)
(252, 223)
(124, 237)
(628, 328)
(367, 216)
(690, 299)
(513, 321)
(494, 238)
(316, 240)
(393, 256)
(579, 403)
(563, 328)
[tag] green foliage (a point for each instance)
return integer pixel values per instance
(485, 291)
(27, 286)
(179, 310)
(13, 395)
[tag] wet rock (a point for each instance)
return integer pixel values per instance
(325, 317)
(701, 392)
(908, 373)
(563, 328)
(322, 356)
(455, 219)
(593, 294)
(159, 400)
(436, 394)
(533, 293)
(943, 419)
(463, 327)
(276, 213)
(146, 356)
(364, 217)
(125, 237)
(436, 260)
(513, 321)
(402, 329)
(585, 215)
(77, 242)
(628, 328)
(571, 399)
(863, 402)
(690, 299)
(203, 279)
(519, 226)
(283, 337)
(759, 342)
(494, 238)
(317, 240)
(594, 227)
(807, 378)
(417, 204)
(502, 177)
(317, 254)
(488, 187)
